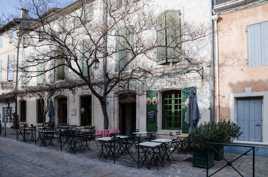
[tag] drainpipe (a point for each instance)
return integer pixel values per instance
(24, 15)
(17, 76)
(216, 96)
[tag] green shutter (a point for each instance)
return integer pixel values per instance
(83, 62)
(60, 66)
(123, 36)
(41, 69)
(169, 35)
(151, 109)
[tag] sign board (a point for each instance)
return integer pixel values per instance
(151, 109)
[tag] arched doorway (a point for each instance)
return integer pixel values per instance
(85, 110)
(62, 110)
(127, 113)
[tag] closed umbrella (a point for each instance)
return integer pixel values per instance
(51, 111)
(193, 109)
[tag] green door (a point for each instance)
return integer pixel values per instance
(152, 100)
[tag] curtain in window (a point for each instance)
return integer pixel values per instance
(169, 37)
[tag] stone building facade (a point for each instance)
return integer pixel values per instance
(159, 105)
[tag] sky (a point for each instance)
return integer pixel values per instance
(10, 8)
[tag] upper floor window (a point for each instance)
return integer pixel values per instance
(41, 74)
(12, 36)
(169, 37)
(116, 4)
(257, 44)
(1, 70)
(1, 42)
(124, 41)
(10, 67)
(84, 60)
(87, 13)
(60, 63)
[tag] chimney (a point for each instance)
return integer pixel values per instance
(24, 13)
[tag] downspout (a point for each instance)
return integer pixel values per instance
(17, 76)
(213, 85)
(216, 95)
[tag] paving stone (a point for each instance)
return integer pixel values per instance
(18, 159)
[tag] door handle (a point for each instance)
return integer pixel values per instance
(258, 125)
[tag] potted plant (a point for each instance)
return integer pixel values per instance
(225, 132)
(201, 137)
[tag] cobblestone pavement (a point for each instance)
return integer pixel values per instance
(19, 159)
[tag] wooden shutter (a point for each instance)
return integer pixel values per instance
(161, 42)
(10, 68)
(258, 44)
(40, 70)
(124, 38)
(169, 37)
(60, 65)
(83, 61)
(1, 70)
(173, 35)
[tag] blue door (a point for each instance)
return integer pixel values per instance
(249, 118)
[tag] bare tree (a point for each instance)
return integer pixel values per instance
(107, 46)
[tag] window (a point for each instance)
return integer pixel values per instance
(12, 36)
(60, 69)
(1, 70)
(87, 13)
(1, 42)
(169, 37)
(41, 74)
(83, 61)
(124, 41)
(174, 109)
(41, 36)
(257, 44)
(116, 4)
(10, 68)
(23, 109)
(171, 109)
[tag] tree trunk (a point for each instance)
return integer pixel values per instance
(105, 114)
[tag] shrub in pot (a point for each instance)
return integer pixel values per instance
(202, 137)
(223, 132)
(203, 155)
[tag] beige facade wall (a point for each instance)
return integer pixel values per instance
(235, 76)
